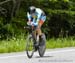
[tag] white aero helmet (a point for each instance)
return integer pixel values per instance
(32, 9)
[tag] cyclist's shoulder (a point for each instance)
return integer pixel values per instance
(39, 10)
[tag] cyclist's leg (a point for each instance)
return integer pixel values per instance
(42, 20)
(38, 28)
(34, 33)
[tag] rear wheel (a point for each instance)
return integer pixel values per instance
(30, 46)
(42, 45)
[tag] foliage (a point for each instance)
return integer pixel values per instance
(60, 22)
(61, 42)
(13, 45)
(18, 44)
(60, 18)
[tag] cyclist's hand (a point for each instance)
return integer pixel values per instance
(29, 23)
(32, 23)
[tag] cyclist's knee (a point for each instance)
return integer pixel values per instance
(41, 23)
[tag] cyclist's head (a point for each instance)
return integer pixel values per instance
(32, 9)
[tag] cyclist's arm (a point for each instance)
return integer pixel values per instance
(29, 16)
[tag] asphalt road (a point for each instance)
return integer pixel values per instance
(64, 55)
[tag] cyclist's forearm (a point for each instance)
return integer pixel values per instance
(35, 23)
(29, 17)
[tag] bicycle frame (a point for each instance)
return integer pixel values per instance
(32, 30)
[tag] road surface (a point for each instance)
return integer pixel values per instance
(63, 55)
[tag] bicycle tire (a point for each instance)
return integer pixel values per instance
(28, 51)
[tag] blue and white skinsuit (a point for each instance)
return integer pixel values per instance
(36, 17)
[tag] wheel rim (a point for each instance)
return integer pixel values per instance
(30, 47)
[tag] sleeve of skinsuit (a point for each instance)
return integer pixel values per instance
(29, 16)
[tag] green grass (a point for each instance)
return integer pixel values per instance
(15, 45)
(12, 45)
(60, 43)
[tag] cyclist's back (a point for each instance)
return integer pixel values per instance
(36, 16)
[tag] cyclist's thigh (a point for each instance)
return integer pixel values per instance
(42, 20)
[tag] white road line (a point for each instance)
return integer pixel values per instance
(47, 52)
(12, 56)
(59, 51)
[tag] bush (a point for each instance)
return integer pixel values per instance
(59, 22)
(60, 18)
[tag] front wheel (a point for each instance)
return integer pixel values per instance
(30, 46)
(42, 45)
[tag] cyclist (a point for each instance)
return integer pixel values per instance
(36, 17)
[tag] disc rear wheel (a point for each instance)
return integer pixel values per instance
(42, 46)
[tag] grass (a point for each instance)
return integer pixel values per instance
(60, 43)
(15, 45)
